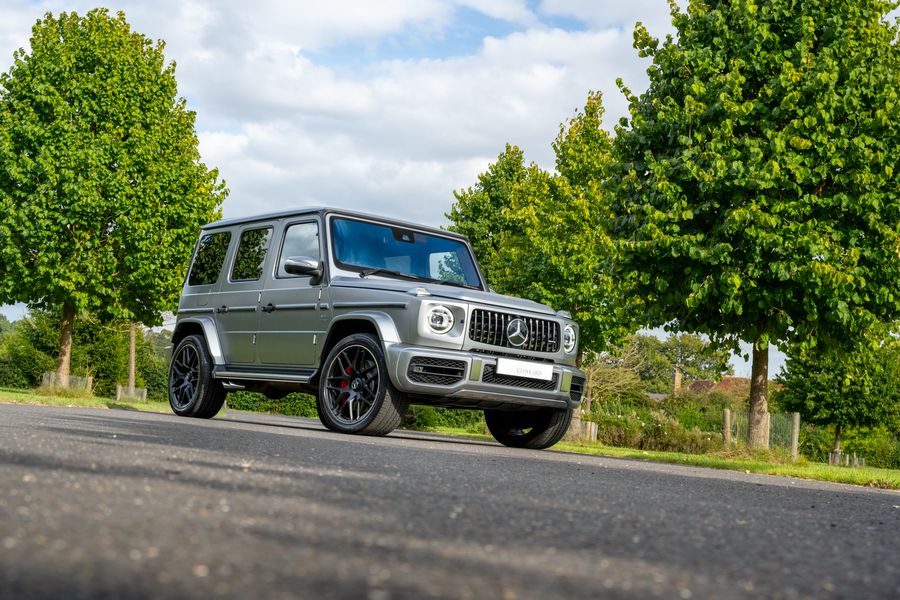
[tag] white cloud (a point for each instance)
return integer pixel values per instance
(654, 14)
(296, 104)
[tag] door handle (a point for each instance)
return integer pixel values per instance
(268, 308)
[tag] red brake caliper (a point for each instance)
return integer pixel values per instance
(345, 384)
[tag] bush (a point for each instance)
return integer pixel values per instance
(430, 418)
(21, 364)
(297, 405)
(654, 430)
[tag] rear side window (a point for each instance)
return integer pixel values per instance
(251, 254)
(210, 256)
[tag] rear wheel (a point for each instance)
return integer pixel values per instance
(535, 429)
(355, 392)
(192, 390)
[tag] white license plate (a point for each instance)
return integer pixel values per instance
(521, 368)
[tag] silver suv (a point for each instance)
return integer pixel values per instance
(368, 315)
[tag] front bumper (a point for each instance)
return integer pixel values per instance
(478, 384)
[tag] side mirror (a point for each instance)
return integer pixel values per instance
(303, 265)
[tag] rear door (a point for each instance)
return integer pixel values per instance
(238, 298)
(294, 311)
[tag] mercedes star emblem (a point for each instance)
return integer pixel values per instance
(517, 332)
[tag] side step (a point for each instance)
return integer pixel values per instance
(292, 376)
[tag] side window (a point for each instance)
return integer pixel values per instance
(210, 256)
(251, 253)
(300, 239)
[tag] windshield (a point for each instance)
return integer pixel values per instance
(376, 249)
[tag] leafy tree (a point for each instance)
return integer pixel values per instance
(696, 359)
(101, 185)
(755, 194)
(481, 212)
(540, 234)
(5, 325)
(828, 386)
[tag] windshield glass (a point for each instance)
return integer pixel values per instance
(362, 246)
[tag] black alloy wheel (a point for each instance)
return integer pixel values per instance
(192, 390)
(352, 384)
(355, 393)
(534, 429)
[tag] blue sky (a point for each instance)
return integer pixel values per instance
(384, 106)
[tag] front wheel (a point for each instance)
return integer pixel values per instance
(192, 390)
(534, 429)
(355, 392)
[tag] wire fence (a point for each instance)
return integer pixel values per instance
(779, 429)
(75, 382)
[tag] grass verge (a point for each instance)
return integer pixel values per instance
(759, 463)
(16, 396)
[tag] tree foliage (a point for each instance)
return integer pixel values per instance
(100, 351)
(101, 186)
(754, 194)
(539, 235)
(481, 212)
(828, 386)
(697, 359)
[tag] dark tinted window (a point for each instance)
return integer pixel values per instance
(209, 259)
(251, 253)
(300, 239)
(360, 245)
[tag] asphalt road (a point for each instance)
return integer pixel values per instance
(116, 504)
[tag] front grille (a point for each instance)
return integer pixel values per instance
(576, 390)
(436, 371)
(489, 327)
(490, 376)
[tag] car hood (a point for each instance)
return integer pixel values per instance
(437, 290)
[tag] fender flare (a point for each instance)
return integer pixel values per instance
(384, 325)
(208, 325)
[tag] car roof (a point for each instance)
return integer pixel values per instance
(323, 210)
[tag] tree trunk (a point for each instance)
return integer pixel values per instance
(65, 346)
(759, 404)
(131, 335)
(837, 438)
(676, 380)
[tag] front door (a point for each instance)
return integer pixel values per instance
(294, 312)
(238, 298)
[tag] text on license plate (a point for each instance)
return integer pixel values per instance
(521, 368)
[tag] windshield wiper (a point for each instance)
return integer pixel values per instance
(380, 271)
(455, 284)
(410, 277)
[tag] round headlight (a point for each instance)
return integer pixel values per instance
(569, 339)
(439, 319)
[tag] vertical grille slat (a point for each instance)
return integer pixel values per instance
(489, 327)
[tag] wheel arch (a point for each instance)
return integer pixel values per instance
(379, 324)
(204, 327)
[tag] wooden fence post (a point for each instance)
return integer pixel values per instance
(726, 427)
(795, 436)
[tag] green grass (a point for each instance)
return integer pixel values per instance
(771, 463)
(16, 396)
(766, 463)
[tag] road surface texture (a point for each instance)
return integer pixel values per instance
(117, 504)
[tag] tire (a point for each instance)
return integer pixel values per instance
(192, 390)
(355, 393)
(536, 430)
